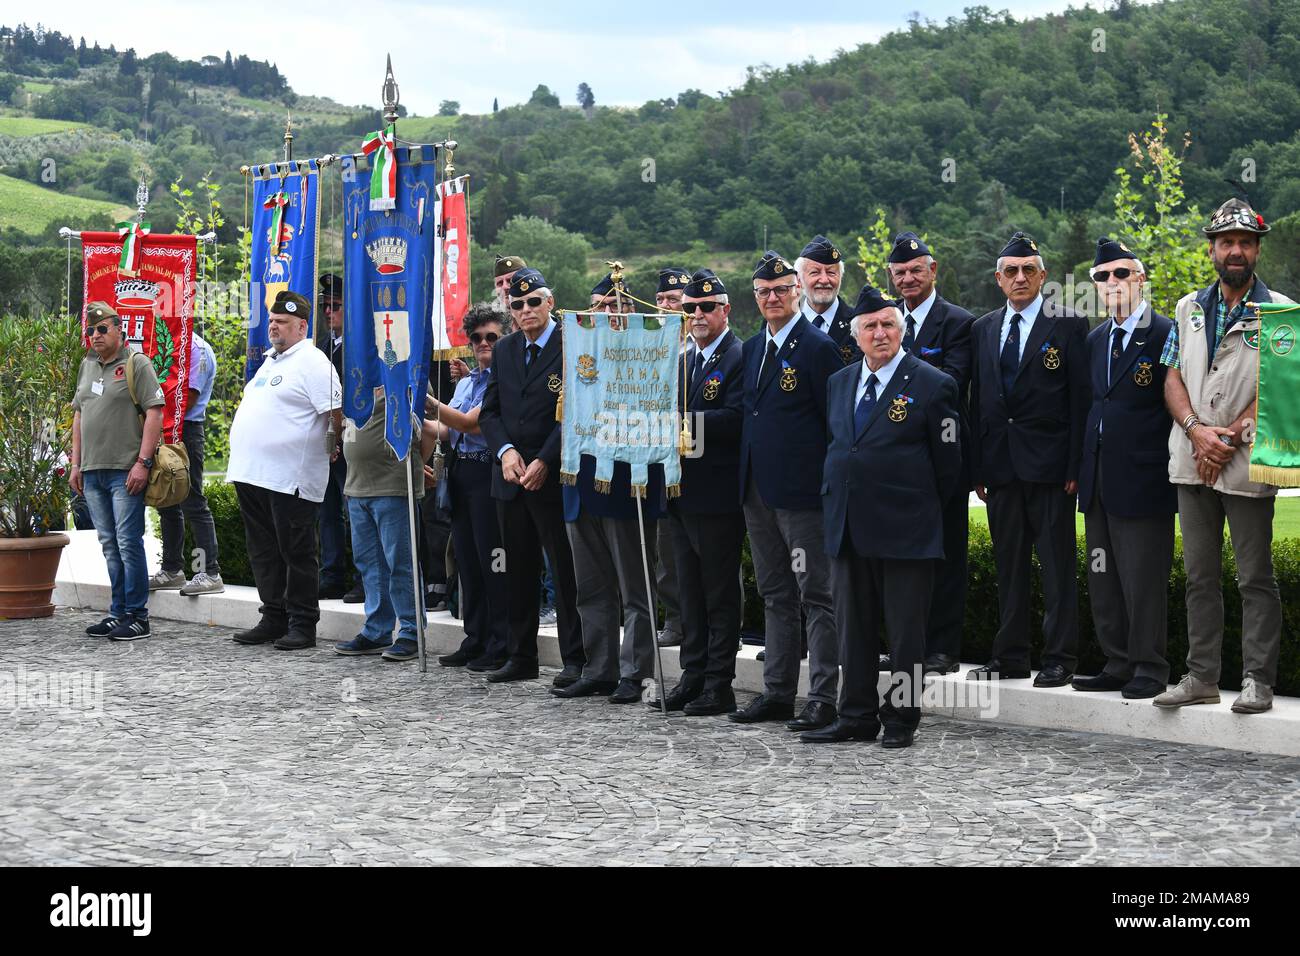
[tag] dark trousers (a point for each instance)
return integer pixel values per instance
(280, 532)
(948, 601)
(529, 525)
(333, 534)
(1027, 516)
(707, 552)
(193, 509)
(476, 538)
(867, 591)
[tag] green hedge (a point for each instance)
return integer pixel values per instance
(981, 598)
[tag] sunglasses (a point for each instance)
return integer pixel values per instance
(1028, 271)
(478, 338)
(532, 302)
(705, 307)
(101, 329)
(1101, 275)
(780, 291)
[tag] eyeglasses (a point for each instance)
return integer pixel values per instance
(1028, 271)
(100, 329)
(1101, 275)
(532, 302)
(778, 291)
(478, 338)
(705, 307)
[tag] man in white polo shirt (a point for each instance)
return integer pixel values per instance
(279, 463)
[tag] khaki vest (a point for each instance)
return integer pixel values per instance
(1218, 392)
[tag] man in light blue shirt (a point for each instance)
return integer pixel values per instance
(207, 571)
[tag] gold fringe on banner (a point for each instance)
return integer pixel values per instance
(639, 490)
(601, 486)
(674, 491)
(1275, 475)
(455, 352)
(568, 478)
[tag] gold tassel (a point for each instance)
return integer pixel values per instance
(1275, 475)
(638, 490)
(559, 407)
(602, 486)
(684, 441)
(674, 491)
(568, 478)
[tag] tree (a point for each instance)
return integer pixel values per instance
(873, 252)
(586, 99)
(494, 104)
(542, 96)
(127, 66)
(559, 254)
(449, 108)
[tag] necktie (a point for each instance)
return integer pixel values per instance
(769, 365)
(696, 369)
(820, 323)
(1116, 350)
(534, 350)
(1010, 360)
(862, 414)
(909, 336)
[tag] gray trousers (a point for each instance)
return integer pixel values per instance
(1129, 560)
(1201, 513)
(607, 563)
(792, 570)
(665, 570)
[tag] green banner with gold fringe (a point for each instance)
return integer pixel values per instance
(1275, 455)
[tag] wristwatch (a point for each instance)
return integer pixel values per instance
(147, 462)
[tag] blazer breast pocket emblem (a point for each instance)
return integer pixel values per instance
(1051, 357)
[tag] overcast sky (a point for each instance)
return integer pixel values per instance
(472, 52)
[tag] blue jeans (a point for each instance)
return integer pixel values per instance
(119, 521)
(381, 549)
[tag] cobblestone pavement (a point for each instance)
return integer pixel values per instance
(208, 752)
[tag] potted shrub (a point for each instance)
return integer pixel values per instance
(39, 359)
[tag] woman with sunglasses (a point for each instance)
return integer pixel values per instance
(474, 530)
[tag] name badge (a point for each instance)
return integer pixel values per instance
(97, 388)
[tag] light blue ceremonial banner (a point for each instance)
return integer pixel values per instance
(620, 396)
(287, 194)
(389, 284)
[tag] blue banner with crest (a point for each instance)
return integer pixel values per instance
(389, 284)
(286, 227)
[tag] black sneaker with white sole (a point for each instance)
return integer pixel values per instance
(103, 628)
(131, 629)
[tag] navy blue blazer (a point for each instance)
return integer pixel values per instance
(884, 487)
(841, 333)
(709, 482)
(1036, 432)
(783, 441)
(618, 504)
(1133, 445)
(519, 409)
(944, 342)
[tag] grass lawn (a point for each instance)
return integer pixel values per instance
(21, 126)
(1286, 518)
(30, 208)
(36, 87)
(425, 129)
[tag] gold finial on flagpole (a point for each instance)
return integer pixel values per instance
(450, 146)
(392, 95)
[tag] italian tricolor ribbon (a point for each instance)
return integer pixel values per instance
(379, 145)
(276, 202)
(132, 233)
(1275, 454)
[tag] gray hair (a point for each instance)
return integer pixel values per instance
(929, 261)
(1038, 259)
(855, 322)
(799, 264)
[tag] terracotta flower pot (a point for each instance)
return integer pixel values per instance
(27, 569)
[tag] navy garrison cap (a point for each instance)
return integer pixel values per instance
(1108, 250)
(908, 246)
(870, 299)
(672, 280)
(772, 266)
(1020, 245)
(703, 283)
(820, 249)
(524, 281)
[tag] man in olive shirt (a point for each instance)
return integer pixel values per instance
(381, 534)
(113, 442)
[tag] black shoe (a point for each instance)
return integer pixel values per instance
(994, 670)
(678, 697)
(717, 700)
(885, 663)
(512, 670)
(582, 687)
(814, 716)
(295, 641)
(330, 592)
(356, 596)
(103, 627)
(1102, 681)
(481, 665)
(568, 676)
(1053, 675)
(264, 632)
(761, 709)
(897, 737)
(761, 656)
(843, 729)
(627, 692)
(454, 659)
(1142, 688)
(941, 664)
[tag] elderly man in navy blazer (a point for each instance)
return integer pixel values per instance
(782, 447)
(1127, 500)
(894, 460)
(1030, 393)
(938, 333)
(706, 525)
(821, 273)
